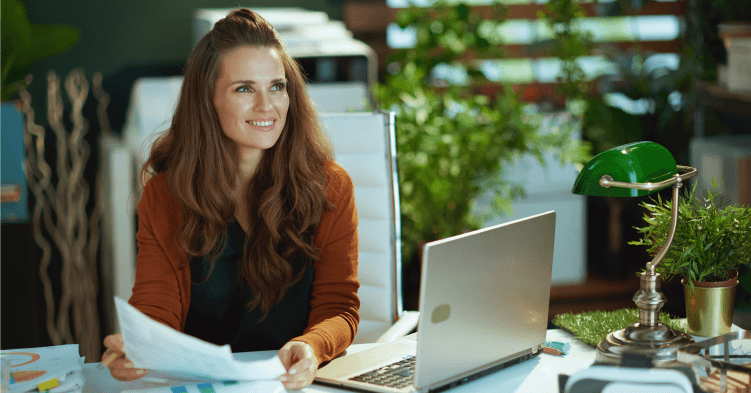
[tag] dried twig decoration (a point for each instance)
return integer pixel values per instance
(62, 207)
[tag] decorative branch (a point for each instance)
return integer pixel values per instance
(62, 207)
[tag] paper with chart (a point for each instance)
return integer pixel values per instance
(31, 366)
(155, 346)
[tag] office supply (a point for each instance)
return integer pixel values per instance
(109, 359)
(155, 346)
(555, 347)
(52, 383)
(43, 368)
(483, 307)
(639, 169)
(552, 351)
(73, 382)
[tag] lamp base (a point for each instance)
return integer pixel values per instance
(660, 343)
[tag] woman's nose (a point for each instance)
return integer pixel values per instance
(263, 102)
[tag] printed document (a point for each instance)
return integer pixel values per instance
(155, 346)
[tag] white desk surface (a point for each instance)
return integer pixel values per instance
(539, 374)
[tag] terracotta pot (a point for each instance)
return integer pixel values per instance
(709, 306)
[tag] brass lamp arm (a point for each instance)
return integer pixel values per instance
(607, 181)
(651, 266)
(677, 182)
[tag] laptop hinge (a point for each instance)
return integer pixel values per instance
(481, 372)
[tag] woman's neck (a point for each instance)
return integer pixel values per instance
(245, 169)
(247, 163)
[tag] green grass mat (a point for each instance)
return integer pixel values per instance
(592, 326)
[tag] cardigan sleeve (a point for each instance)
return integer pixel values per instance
(156, 292)
(334, 317)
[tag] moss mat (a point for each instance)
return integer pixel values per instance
(592, 326)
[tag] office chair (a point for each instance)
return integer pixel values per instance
(365, 146)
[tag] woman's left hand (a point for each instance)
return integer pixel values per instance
(301, 364)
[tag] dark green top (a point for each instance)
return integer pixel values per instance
(218, 307)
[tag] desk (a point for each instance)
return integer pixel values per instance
(539, 374)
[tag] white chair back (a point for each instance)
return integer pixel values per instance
(365, 146)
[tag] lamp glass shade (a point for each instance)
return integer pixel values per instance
(639, 162)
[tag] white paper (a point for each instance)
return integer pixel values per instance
(72, 382)
(266, 386)
(32, 366)
(155, 346)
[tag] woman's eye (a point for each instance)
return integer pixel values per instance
(278, 86)
(243, 89)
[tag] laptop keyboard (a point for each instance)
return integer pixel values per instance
(396, 375)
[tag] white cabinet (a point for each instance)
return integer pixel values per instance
(549, 188)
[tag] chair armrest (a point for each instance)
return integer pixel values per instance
(405, 325)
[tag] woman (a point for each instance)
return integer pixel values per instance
(247, 230)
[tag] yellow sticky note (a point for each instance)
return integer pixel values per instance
(48, 385)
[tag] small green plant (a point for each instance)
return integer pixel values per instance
(710, 239)
(24, 43)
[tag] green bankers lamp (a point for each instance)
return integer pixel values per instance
(631, 170)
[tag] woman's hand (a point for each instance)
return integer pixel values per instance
(114, 358)
(301, 364)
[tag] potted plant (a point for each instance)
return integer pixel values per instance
(712, 242)
(453, 141)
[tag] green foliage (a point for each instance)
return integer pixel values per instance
(569, 43)
(592, 327)
(661, 88)
(710, 238)
(24, 43)
(453, 143)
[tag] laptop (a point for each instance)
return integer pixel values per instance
(483, 307)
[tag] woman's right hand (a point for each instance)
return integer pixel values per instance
(114, 358)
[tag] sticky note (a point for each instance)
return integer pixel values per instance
(205, 388)
(48, 385)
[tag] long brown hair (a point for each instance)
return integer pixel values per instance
(288, 192)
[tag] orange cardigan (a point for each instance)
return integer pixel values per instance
(162, 287)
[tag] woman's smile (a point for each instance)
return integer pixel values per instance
(263, 124)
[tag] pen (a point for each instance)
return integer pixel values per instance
(106, 361)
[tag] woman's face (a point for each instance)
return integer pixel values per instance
(251, 98)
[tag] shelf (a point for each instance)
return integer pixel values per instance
(594, 287)
(723, 100)
(594, 294)
(599, 294)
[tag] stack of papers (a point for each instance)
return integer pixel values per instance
(157, 347)
(57, 369)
